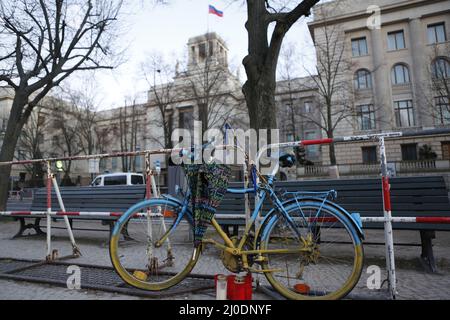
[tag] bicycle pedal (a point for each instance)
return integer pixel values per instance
(260, 259)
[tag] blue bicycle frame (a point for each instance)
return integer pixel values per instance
(263, 192)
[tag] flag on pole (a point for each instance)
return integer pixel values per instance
(213, 10)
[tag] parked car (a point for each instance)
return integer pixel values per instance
(117, 179)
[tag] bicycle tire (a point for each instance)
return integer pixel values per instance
(306, 290)
(134, 272)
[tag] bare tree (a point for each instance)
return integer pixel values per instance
(286, 75)
(207, 86)
(128, 131)
(43, 43)
(65, 126)
(159, 75)
(262, 59)
(332, 82)
(436, 91)
(86, 117)
(103, 139)
(291, 116)
(93, 136)
(30, 145)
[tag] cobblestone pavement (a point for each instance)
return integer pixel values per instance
(413, 282)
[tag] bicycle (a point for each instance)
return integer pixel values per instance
(307, 246)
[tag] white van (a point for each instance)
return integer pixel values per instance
(118, 179)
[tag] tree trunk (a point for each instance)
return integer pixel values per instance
(332, 154)
(260, 66)
(330, 131)
(260, 98)
(37, 172)
(332, 148)
(15, 125)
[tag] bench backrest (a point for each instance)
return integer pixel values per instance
(410, 196)
(92, 199)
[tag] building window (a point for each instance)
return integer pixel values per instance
(363, 79)
(55, 141)
(290, 137)
(138, 161)
(396, 40)
(308, 106)
(194, 60)
(114, 163)
(445, 150)
(366, 117)
(369, 155)
(312, 152)
(186, 118)
(102, 165)
(40, 138)
(211, 48)
(404, 113)
(440, 68)
(443, 110)
(202, 50)
(436, 33)
(359, 47)
(409, 152)
(400, 74)
(40, 120)
(21, 155)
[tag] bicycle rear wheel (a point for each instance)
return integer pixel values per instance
(325, 257)
(147, 259)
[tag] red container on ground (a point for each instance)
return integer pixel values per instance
(238, 290)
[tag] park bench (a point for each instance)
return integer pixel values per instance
(410, 196)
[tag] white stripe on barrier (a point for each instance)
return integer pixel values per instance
(435, 220)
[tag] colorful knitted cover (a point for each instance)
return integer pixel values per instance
(208, 183)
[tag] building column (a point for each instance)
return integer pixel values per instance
(381, 81)
(419, 73)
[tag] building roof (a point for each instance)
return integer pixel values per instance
(207, 37)
(296, 85)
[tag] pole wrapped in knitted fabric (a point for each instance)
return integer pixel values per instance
(208, 183)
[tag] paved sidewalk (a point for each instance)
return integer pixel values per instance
(413, 282)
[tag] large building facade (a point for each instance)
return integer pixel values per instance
(397, 57)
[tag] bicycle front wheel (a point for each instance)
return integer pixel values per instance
(148, 258)
(320, 253)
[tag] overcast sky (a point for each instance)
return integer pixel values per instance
(167, 28)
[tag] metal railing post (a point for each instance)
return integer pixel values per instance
(388, 233)
(247, 210)
(49, 211)
(75, 249)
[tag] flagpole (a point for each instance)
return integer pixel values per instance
(207, 21)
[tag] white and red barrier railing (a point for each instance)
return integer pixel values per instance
(425, 220)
